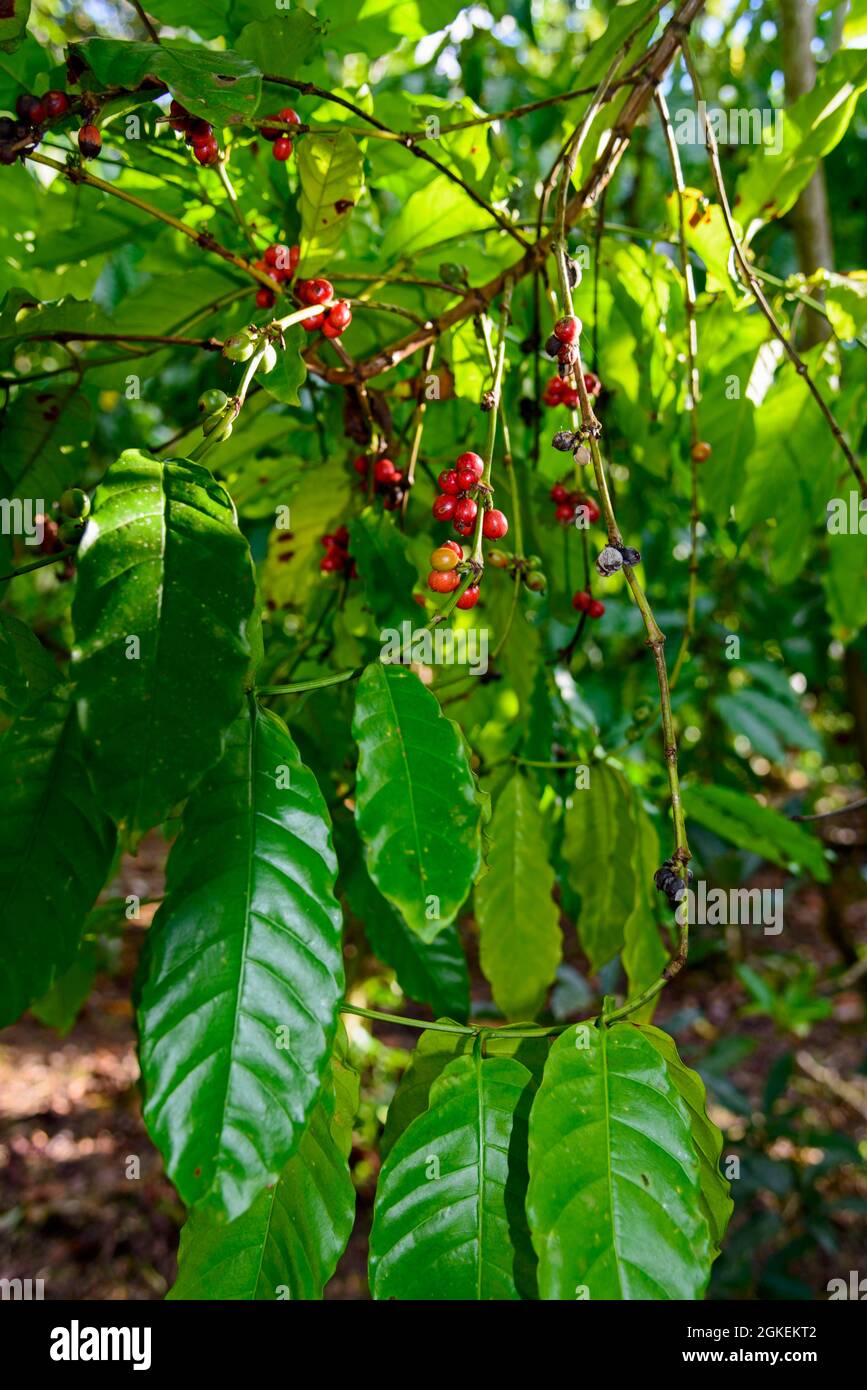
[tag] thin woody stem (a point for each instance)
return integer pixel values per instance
(417, 428)
(76, 175)
(752, 281)
(693, 387)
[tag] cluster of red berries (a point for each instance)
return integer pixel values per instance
(281, 145)
(196, 132)
(337, 557)
(586, 603)
(567, 505)
(387, 480)
(455, 504)
(336, 315)
(21, 136)
(560, 392)
(445, 576)
(279, 263)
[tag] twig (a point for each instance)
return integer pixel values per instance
(840, 811)
(152, 33)
(692, 389)
(417, 428)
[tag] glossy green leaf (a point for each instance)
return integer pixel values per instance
(614, 1199)
(448, 1219)
(281, 44)
(707, 1139)
(331, 176)
(431, 972)
(13, 24)
(736, 817)
(56, 850)
(243, 974)
(599, 848)
(165, 592)
(520, 940)
(60, 1006)
(290, 373)
(417, 809)
(286, 1246)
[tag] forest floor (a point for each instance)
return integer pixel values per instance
(70, 1124)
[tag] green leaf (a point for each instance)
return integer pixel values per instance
(380, 552)
(290, 373)
(771, 725)
(219, 86)
(598, 846)
(417, 810)
(161, 561)
(614, 1200)
(13, 24)
(56, 849)
(448, 1220)
(60, 1006)
(736, 817)
(811, 127)
(44, 436)
(26, 669)
(244, 973)
(286, 1246)
(291, 568)
(845, 581)
(281, 45)
(440, 211)
(331, 175)
(520, 938)
(434, 972)
(432, 1054)
(707, 1140)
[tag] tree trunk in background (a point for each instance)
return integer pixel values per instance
(810, 215)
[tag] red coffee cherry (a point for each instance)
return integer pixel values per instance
(361, 465)
(340, 315)
(89, 141)
(384, 471)
(466, 509)
(443, 583)
(453, 545)
(469, 598)
(582, 600)
(206, 150)
(566, 331)
(282, 149)
(596, 609)
(315, 321)
(265, 298)
(30, 109)
(448, 482)
(444, 559)
(444, 507)
(464, 528)
(565, 512)
(466, 479)
(494, 525)
(289, 116)
(56, 104)
(558, 493)
(314, 291)
(471, 463)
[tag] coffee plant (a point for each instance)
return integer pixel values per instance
(393, 480)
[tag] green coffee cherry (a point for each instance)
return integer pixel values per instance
(240, 346)
(70, 530)
(213, 402)
(75, 502)
(220, 430)
(534, 562)
(269, 359)
(536, 581)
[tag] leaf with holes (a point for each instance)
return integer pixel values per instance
(243, 973)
